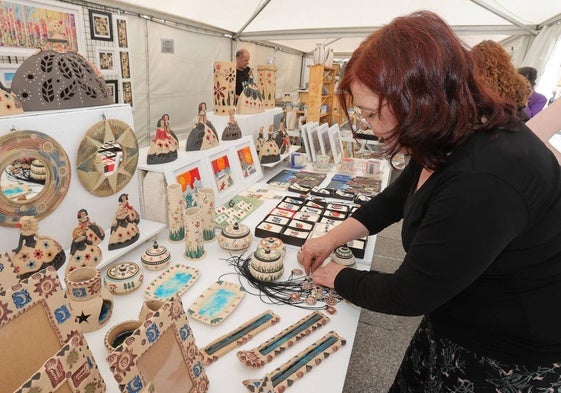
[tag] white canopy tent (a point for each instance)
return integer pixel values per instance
(286, 32)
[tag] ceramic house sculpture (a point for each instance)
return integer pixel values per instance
(203, 135)
(250, 100)
(164, 145)
(232, 130)
(224, 87)
(35, 252)
(124, 229)
(9, 102)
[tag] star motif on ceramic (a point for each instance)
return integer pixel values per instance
(83, 317)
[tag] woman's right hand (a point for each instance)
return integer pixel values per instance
(314, 252)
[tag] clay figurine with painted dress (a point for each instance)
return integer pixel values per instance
(83, 252)
(124, 229)
(203, 135)
(94, 233)
(35, 252)
(164, 145)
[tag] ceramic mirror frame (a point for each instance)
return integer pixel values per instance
(44, 148)
(170, 317)
(94, 180)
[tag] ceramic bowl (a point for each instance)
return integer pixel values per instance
(123, 277)
(156, 257)
(117, 334)
(235, 237)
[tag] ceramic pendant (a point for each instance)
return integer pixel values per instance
(35, 252)
(205, 200)
(203, 136)
(194, 243)
(164, 145)
(124, 229)
(176, 207)
(224, 87)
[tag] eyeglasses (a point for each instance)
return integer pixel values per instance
(366, 117)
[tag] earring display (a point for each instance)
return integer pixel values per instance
(238, 336)
(276, 345)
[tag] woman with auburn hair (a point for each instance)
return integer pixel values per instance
(494, 66)
(480, 201)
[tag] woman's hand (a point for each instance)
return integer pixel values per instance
(326, 275)
(314, 252)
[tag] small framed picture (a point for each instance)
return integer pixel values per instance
(190, 177)
(226, 182)
(323, 136)
(336, 143)
(122, 35)
(125, 67)
(127, 93)
(106, 60)
(101, 25)
(313, 139)
(113, 89)
(248, 160)
(7, 72)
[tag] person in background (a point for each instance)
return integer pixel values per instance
(537, 101)
(494, 66)
(480, 201)
(242, 70)
(547, 123)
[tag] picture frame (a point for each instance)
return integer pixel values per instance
(106, 60)
(313, 139)
(127, 93)
(306, 140)
(323, 136)
(113, 89)
(136, 363)
(248, 160)
(226, 182)
(190, 177)
(101, 25)
(122, 34)
(7, 72)
(125, 64)
(336, 143)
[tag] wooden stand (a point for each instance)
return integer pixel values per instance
(321, 88)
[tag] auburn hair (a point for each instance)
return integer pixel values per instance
(419, 67)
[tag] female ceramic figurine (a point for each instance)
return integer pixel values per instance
(35, 252)
(124, 229)
(164, 145)
(94, 233)
(203, 135)
(83, 252)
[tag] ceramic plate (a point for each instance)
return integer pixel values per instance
(175, 280)
(216, 302)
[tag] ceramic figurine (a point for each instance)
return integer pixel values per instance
(250, 100)
(203, 135)
(91, 302)
(35, 252)
(269, 151)
(194, 243)
(94, 233)
(232, 130)
(176, 207)
(205, 199)
(163, 147)
(224, 87)
(82, 251)
(267, 78)
(282, 139)
(124, 229)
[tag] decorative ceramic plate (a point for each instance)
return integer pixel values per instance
(175, 280)
(216, 302)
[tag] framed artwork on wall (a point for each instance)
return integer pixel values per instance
(122, 35)
(106, 60)
(101, 25)
(189, 176)
(248, 159)
(113, 89)
(125, 67)
(127, 93)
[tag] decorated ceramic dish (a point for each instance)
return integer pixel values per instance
(235, 237)
(175, 280)
(123, 277)
(216, 302)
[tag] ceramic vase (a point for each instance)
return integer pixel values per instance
(194, 243)
(319, 54)
(176, 207)
(267, 82)
(224, 86)
(205, 200)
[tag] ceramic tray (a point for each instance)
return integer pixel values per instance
(216, 302)
(175, 280)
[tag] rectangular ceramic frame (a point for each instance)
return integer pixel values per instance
(106, 21)
(126, 360)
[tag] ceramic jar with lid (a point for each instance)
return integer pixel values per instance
(343, 255)
(156, 257)
(123, 277)
(235, 237)
(266, 264)
(273, 243)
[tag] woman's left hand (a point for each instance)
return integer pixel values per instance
(325, 275)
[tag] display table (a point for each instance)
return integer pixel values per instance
(249, 124)
(227, 373)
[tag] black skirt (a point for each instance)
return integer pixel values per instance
(433, 364)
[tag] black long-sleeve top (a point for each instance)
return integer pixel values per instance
(483, 248)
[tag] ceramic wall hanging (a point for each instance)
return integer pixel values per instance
(203, 135)
(266, 352)
(124, 228)
(232, 130)
(204, 198)
(250, 100)
(194, 242)
(71, 369)
(35, 252)
(266, 264)
(107, 157)
(82, 251)
(161, 351)
(239, 336)
(51, 80)
(216, 302)
(176, 208)
(26, 191)
(10, 103)
(224, 87)
(235, 237)
(35, 323)
(156, 257)
(91, 302)
(164, 145)
(267, 82)
(175, 280)
(287, 374)
(123, 277)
